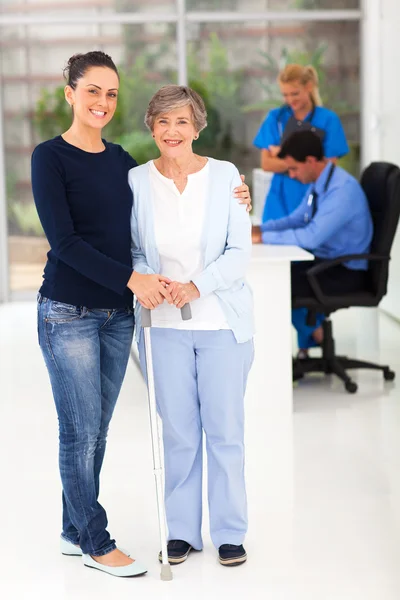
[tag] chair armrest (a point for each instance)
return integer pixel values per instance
(327, 264)
(320, 268)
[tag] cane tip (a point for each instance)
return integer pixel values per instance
(166, 573)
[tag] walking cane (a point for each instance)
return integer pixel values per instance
(186, 313)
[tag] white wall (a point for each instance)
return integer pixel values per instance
(387, 123)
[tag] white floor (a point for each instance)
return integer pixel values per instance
(328, 528)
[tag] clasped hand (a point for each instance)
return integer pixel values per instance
(152, 290)
(183, 293)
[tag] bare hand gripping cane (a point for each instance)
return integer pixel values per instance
(186, 313)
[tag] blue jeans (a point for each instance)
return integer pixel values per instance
(86, 353)
(200, 380)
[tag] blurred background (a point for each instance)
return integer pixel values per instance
(228, 50)
(231, 58)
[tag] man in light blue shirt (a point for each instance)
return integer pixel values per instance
(332, 220)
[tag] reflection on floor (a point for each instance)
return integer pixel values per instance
(336, 538)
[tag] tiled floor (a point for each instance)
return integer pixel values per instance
(337, 537)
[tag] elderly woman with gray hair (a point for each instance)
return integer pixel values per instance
(187, 226)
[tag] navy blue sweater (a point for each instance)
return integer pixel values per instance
(84, 204)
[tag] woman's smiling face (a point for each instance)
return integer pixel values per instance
(94, 99)
(296, 95)
(174, 132)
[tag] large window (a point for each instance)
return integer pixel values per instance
(233, 63)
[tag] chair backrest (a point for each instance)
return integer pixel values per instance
(381, 184)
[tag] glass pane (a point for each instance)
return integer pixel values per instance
(32, 59)
(273, 5)
(235, 66)
(84, 7)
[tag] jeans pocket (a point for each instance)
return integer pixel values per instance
(59, 312)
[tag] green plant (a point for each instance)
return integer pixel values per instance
(351, 161)
(22, 217)
(140, 145)
(136, 89)
(220, 89)
(321, 4)
(25, 217)
(306, 4)
(214, 4)
(211, 134)
(52, 113)
(11, 182)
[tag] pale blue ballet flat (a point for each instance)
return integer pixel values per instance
(69, 549)
(133, 570)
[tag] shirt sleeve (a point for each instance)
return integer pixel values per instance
(268, 134)
(233, 263)
(335, 143)
(139, 260)
(50, 196)
(334, 212)
(292, 221)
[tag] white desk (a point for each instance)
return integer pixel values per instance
(269, 276)
(269, 397)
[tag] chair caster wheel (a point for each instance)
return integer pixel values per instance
(351, 387)
(389, 375)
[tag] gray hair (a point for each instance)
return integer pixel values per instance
(171, 97)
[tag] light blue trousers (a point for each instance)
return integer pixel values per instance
(200, 380)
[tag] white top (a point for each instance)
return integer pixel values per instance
(278, 253)
(178, 228)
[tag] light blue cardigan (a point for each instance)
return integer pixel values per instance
(226, 242)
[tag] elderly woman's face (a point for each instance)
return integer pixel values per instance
(174, 132)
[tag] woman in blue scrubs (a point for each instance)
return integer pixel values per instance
(302, 109)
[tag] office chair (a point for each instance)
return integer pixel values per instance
(381, 184)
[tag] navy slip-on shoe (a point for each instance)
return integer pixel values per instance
(231, 556)
(178, 551)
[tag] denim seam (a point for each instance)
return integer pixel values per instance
(61, 321)
(106, 322)
(38, 316)
(74, 419)
(70, 318)
(106, 550)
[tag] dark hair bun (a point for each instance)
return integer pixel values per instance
(80, 63)
(74, 58)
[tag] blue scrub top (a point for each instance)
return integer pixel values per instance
(285, 194)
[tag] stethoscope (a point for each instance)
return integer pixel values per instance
(285, 107)
(311, 205)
